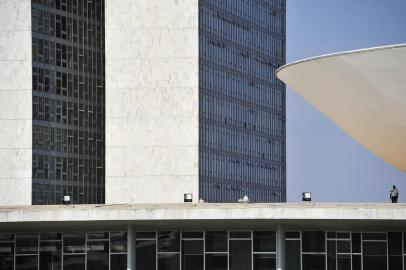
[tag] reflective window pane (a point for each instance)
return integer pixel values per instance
(293, 253)
(264, 241)
(356, 262)
(168, 261)
(74, 262)
(98, 235)
(356, 242)
(313, 241)
(374, 248)
(118, 242)
(240, 234)
(264, 262)
(240, 255)
(145, 235)
(168, 241)
(50, 255)
(331, 254)
(145, 255)
(27, 243)
(6, 236)
(374, 236)
(216, 241)
(216, 261)
(118, 262)
(395, 263)
(50, 236)
(74, 242)
(192, 254)
(343, 262)
(395, 243)
(314, 261)
(343, 246)
(97, 255)
(7, 256)
(26, 262)
(374, 262)
(292, 235)
(192, 234)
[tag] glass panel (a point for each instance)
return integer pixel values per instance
(27, 262)
(7, 256)
(331, 254)
(118, 262)
(265, 262)
(293, 255)
(216, 261)
(343, 262)
(50, 255)
(374, 262)
(236, 234)
(74, 242)
(264, 241)
(314, 262)
(395, 262)
(356, 243)
(98, 235)
(373, 236)
(192, 254)
(395, 243)
(292, 235)
(27, 243)
(98, 255)
(145, 235)
(343, 235)
(313, 241)
(332, 235)
(240, 255)
(192, 247)
(145, 255)
(374, 248)
(192, 234)
(168, 241)
(6, 236)
(50, 236)
(356, 262)
(118, 242)
(74, 262)
(216, 241)
(168, 261)
(343, 246)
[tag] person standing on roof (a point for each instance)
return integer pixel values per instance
(394, 194)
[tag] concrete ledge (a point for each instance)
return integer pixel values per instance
(204, 211)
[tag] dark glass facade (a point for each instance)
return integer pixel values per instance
(204, 250)
(68, 101)
(242, 103)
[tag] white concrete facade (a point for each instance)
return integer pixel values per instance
(15, 102)
(152, 103)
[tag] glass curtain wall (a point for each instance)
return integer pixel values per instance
(242, 103)
(67, 251)
(68, 101)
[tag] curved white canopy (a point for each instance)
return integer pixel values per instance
(363, 92)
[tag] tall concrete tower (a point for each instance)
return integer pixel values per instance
(52, 101)
(192, 102)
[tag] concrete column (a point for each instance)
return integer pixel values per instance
(280, 248)
(131, 248)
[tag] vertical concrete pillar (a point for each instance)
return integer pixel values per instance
(280, 248)
(130, 247)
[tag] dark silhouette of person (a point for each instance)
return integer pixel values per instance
(394, 194)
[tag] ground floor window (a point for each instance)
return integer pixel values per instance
(203, 250)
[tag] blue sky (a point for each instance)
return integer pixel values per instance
(321, 158)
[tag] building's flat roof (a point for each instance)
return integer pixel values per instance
(362, 91)
(203, 214)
